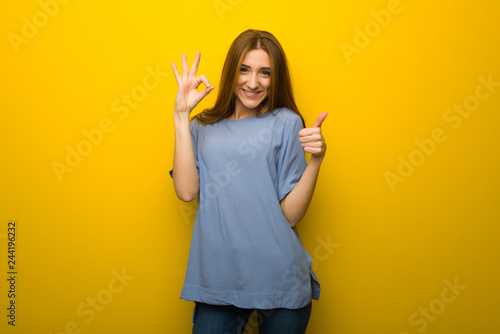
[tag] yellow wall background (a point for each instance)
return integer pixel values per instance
(404, 225)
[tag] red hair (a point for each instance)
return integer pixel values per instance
(280, 91)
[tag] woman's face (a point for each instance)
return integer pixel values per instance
(254, 79)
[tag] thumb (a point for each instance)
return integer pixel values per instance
(205, 92)
(320, 119)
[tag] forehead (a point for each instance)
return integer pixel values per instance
(257, 58)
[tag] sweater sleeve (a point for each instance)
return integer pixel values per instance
(290, 158)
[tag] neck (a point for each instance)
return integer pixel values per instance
(241, 112)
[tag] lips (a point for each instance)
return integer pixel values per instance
(251, 94)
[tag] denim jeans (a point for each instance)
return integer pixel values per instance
(216, 319)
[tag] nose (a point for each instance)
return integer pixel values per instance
(253, 82)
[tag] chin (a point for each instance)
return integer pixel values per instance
(251, 104)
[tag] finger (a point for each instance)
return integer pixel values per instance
(309, 131)
(176, 73)
(320, 119)
(203, 78)
(312, 144)
(184, 66)
(311, 139)
(205, 92)
(313, 150)
(196, 62)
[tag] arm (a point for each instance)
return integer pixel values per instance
(295, 204)
(185, 175)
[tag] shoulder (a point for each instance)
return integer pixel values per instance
(288, 116)
(196, 127)
(284, 113)
(196, 124)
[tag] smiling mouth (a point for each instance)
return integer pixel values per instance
(251, 94)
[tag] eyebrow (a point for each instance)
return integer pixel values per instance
(262, 68)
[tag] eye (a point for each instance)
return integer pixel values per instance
(243, 69)
(266, 73)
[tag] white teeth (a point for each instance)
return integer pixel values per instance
(249, 93)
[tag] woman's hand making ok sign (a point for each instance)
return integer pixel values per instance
(188, 95)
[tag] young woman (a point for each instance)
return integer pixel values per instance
(244, 159)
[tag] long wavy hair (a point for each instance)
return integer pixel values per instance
(280, 91)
